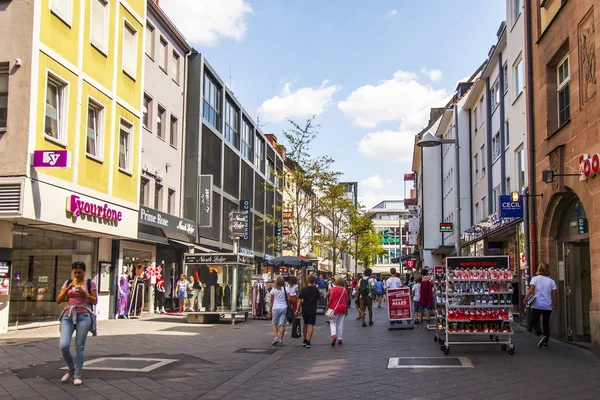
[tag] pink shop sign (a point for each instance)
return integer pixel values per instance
(93, 210)
(51, 159)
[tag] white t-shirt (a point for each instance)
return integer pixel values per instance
(393, 283)
(417, 292)
(543, 290)
(279, 300)
(292, 291)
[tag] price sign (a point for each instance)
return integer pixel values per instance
(399, 307)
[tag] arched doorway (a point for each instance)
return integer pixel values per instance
(574, 273)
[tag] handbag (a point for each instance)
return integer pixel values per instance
(331, 311)
(531, 300)
(289, 314)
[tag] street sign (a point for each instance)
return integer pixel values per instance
(510, 208)
(446, 227)
(409, 177)
(409, 202)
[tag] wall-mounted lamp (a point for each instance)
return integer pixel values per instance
(548, 175)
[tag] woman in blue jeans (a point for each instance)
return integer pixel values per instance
(80, 295)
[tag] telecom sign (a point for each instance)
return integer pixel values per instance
(446, 227)
(509, 208)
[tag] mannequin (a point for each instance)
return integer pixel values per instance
(160, 295)
(123, 294)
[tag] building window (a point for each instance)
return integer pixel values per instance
(160, 122)
(247, 137)
(173, 131)
(563, 91)
(163, 54)
(521, 168)
(232, 124)
(482, 156)
(171, 201)
(95, 127)
(483, 212)
(63, 9)
(505, 77)
(508, 185)
(517, 6)
(519, 77)
(158, 191)
(212, 102)
(56, 95)
(144, 185)
(3, 98)
(175, 67)
(476, 214)
(271, 171)
(496, 146)
(99, 25)
(130, 39)
(150, 40)
(495, 198)
(125, 146)
(481, 110)
(495, 95)
(147, 112)
(506, 134)
(475, 122)
(259, 154)
(476, 167)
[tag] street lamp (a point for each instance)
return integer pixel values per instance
(429, 140)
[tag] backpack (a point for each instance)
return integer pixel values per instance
(89, 288)
(363, 287)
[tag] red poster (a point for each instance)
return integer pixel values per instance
(410, 264)
(438, 269)
(399, 304)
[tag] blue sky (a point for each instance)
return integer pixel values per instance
(370, 69)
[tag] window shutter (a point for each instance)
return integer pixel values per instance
(128, 50)
(98, 23)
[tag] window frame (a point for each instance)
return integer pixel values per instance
(495, 95)
(506, 134)
(149, 112)
(160, 130)
(247, 149)
(62, 113)
(125, 126)
(150, 33)
(211, 90)
(475, 121)
(176, 67)
(163, 56)
(158, 196)
(99, 109)
(232, 117)
(496, 146)
(173, 133)
(519, 71)
(171, 201)
(4, 71)
(481, 110)
(144, 186)
(516, 12)
(476, 162)
(65, 16)
(102, 48)
(483, 164)
(128, 26)
(505, 77)
(560, 88)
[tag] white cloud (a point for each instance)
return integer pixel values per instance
(401, 98)
(375, 189)
(433, 74)
(388, 146)
(204, 22)
(392, 13)
(375, 182)
(304, 102)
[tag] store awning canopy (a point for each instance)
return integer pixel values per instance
(443, 250)
(192, 246)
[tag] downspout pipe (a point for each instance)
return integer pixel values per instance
(488, 156)
(503, 188)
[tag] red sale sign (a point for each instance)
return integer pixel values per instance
(399, 304)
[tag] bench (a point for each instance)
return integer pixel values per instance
(210, 317)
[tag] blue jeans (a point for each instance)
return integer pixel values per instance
(66, 332)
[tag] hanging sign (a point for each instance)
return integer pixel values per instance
(238, 226)
(412, 239)
(413, 224)
(51, 159)
(446, 227)
(399, 308)
(245, 204)
(509, 208)
(410, 264)
(409, 202)
(409, 177)
(205, 197)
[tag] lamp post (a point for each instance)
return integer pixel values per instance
(428, 140)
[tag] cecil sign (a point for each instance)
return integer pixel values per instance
(509, 208)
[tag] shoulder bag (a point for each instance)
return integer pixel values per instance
(331, 311)
(289, 314)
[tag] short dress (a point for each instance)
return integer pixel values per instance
(181, 290)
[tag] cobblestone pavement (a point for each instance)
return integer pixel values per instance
(210, 363)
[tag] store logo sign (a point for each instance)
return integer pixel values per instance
(509, 208)
(79, 207)
(588, 167)
(51, 159)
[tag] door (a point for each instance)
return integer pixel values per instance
(576, 292)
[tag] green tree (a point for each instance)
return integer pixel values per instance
(369, 247)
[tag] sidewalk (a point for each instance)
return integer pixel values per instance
(209, 362)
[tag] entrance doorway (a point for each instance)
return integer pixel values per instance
(574, 274)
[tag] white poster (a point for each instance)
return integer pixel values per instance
(412, 239)
(413, 224)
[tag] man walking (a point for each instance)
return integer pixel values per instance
(393, 282)
(366, 288)
(309, 296)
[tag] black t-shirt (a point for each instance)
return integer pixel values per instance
(309, 296)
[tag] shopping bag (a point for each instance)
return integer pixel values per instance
(296, 331)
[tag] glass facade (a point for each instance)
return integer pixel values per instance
(41, 264)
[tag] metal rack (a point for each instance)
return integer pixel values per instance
(440, 297)
(478, 302)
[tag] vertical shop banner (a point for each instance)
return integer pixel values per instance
(399, 308)
(205, 198)
(278, 234)
(237, 224)
(245, 204)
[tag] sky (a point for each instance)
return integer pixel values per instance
(370, 70)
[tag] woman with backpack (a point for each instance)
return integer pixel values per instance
(80, 295)
(379, 290)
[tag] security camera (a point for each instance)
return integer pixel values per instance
(18, 62)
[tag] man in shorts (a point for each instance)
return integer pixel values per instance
(309, 297)
(366, 288)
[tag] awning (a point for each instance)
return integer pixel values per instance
(152, 238)
(192, 246)
(443, 250)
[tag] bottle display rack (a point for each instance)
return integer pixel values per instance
(440, 299)
(477, 303)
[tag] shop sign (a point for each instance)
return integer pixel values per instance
(247, 252)
(78, 207)
(523, 263)
(51, 159)
(582, 226)
(219, 258)
(167, 222)
(509, 208)
(438, 269)
(238, 224)
(413, 224)
(412, 239)
(588, 167)
(278, 233)
(410, 264)
(246, 210)
(409, 202)
(317, 230)
(288, 214)
(389, 240)
(446, 227)
(414, 211)
(478, 262)
(4, 278)
(205, 201)
(286, 230)
(399, 304)
(409, 177)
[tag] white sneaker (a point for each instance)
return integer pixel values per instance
(77, 382)
(66, 377)
(275, 341)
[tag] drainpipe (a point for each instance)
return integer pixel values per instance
(503, 188)
(458, 225)
(441, 185)
(488, 161)
(527, 253)
(531, 134)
